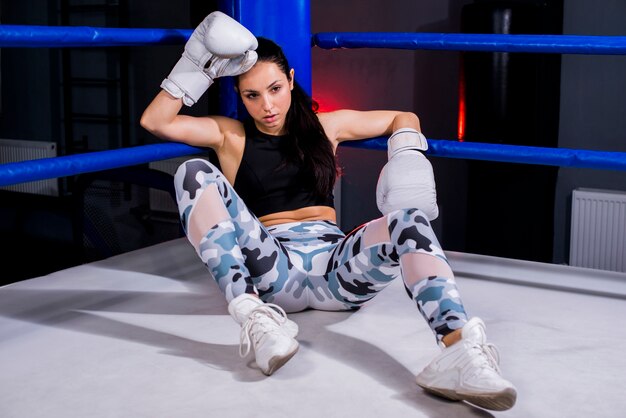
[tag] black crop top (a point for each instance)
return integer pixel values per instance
(265, 185)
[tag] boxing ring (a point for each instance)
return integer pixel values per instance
(145, 334)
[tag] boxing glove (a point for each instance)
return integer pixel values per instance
(219, 46)
(407, 180)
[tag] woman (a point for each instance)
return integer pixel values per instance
(265, 225)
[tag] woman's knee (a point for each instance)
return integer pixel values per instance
(186, 176)
(380, 230)
(410, 231)
(410, 215)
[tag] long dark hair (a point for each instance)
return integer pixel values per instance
(310, 145)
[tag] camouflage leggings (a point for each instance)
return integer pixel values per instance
(313, 264)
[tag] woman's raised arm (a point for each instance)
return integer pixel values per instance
(350, 125)
(161, 118)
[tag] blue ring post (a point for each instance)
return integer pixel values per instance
(287, 22)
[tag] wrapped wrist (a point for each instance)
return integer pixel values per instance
(404, 139)
(187, 81)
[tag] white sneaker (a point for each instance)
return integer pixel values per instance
(266, 329)
(468, 371)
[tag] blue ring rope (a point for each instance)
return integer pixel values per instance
(23, 36)
(82, 36)
(556, 44)
(522, 154)
(68, 165)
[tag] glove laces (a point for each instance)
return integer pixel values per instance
(262, 320)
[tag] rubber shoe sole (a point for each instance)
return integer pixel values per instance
(277, 362)
(496, 401)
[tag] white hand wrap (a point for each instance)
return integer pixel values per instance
(219, 46)
(407, 180)
(403, 139)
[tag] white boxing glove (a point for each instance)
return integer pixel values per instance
(407, 180)
(219, 46)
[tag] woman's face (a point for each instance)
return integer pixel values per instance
(266, 93)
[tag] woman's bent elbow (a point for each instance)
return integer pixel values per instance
(148, 124)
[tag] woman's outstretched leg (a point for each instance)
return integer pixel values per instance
(393, 246)
(403, 244)
(245, 260)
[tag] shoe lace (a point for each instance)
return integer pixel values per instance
(261, 320)
(490, 356)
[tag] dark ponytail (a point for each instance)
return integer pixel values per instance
(310, 146)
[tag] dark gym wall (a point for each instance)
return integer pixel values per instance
(593, 105)
(511, 99)
(27, 94)
(425, 82)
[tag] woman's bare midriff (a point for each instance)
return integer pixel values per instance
(311, 213)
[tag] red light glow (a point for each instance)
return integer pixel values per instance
(461, 121)
(327, 103)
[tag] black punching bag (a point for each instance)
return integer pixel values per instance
(511, 98)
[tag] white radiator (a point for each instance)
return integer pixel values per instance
(598, 231)
(16, 150)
